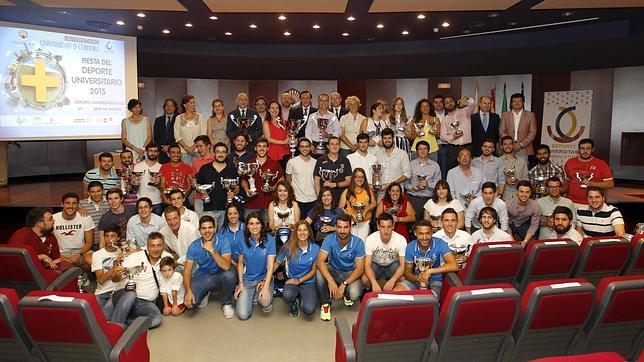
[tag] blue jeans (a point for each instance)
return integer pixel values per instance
(521, 230)
(244, 307)
(352, 291)
(434, 285)
(308, 296)
(385, 272)
(105, 301)
(218, 215)
(202, 284)
(128, 307)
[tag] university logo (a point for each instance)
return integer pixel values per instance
(566, 137)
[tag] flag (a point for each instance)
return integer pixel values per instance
(476, 96)
(522, 89)
(493, 98)
(504, 108)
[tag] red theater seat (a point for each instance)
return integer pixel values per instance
(390, 328)
(601, 257)
(82, 333)
(635, 264)
(14, 343)
(476, 322)
(489, 263)
(591, 357)
(21, 270)
(547, 260)
(553, 314)
(617, 323)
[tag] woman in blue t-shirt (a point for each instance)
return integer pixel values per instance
(322, 216)
(255, 268)
(299, 256)
(233, 229)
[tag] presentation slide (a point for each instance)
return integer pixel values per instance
(64, 84)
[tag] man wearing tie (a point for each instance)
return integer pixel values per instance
(287, 101)
(485, 125)
(243, 112)
(164, 129)
(519, 124)
(303, 111)
(336, 105)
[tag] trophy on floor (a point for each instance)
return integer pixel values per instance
(455, 126)
(420, 128)
(248, 170)
(584, 177)
(154, 178)
(229, 185)
(422, 264)
(510, 174)
(328, 175)
(539, 183)
(268, 177)
(283, 232)
(359, 207)
(322, 123)
(205, 191)
(292, 129)
(376, 174)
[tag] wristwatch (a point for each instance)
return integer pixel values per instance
(346, 283)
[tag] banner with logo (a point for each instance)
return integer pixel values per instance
(566, 120)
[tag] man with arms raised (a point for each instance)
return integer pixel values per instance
(385, 256)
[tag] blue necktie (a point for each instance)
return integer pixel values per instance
(485, 122)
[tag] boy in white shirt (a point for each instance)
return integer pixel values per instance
(74, 232)
(171, 285)
(458, 240)
(105, 263)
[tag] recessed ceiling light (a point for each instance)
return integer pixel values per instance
(140, 27)
(141, 15)
(165, 31)
(493, 15)
(435, 30)
(48, 21)
(351, 18)
(213, 18)
(380, 26)
(252, 26)
(345, 34)
(512, 23)
(120, 22)
(567, 13)
(282, 17)
(421, 16)
(466, 31)
(405, 32)
(445, 24)
(228, 33)
(286, 33)
(188, 25)
(316, 26)
(64, 12)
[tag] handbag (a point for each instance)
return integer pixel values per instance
(159, 301)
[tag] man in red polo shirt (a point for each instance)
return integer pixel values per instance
(259, 202)
(587, 170)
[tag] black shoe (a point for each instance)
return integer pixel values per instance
(293, 310)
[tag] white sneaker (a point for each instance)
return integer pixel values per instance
(204, 302)
(229, 312)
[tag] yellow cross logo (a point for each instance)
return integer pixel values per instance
(40, 80)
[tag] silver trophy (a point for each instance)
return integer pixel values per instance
(433, 127)
(539, 183)
(229, 185)
(326, 221)
(393, 211)
(467, 197)
(510, 174)
(154, 178)
(135, 180)
(328, 175)
(359, 207)
(422, 264)
(584, 177)
(248, 170)
(130, 285)
(283, 232)
(420, 128)
(292, 129)
(322, 123)
(400, 125)
(124, 175)
(639, 229)
(455, 126)
(420, 178)
(268, 177)
(436, 223)
(460, 251)
(376, 175)
(205, 191)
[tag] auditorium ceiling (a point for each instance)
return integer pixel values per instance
(318, 22)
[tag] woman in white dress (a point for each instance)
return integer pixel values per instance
(136, 130)
(187, 127)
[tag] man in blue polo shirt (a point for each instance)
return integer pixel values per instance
(340, 278)
(212, 256)
(441, 259)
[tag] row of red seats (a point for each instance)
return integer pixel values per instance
(497, 323)
(66, 326)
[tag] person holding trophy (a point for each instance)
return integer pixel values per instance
(260, 181)
(283, 204)
(586, 170)
(149, 181)
(275, 132)
(426, 259)
(543, 171)
(374, 125)
(514, 168)
(244, 119)
(396, 204)
(425, 173)
(323, 215)
(456, 129)
(425, 126)
(331, 170)
(212, 184)
(385, 257)
(321, 125)
(106, 265)
(459, 241)
(357, 201)
(175, 175)
(394, 162)
(440, 201)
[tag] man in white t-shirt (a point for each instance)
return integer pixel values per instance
(385, 256)
(458, 240)
(361, 158)
(150, 186)
(178, 234)
(75, 233)
(105, 263)
(298, 173)
(489, 232)
(177, 200)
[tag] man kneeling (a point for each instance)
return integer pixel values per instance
(385, 256)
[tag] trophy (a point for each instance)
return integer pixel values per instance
(436, 223)
(154, 178)
(460, 251)
(422, 264)
(229, 185)
(420, 178)
(376, 173)
(639, 228)
(400, 125)
(130, 285)
(267, 176)
(510, 174)
(243, 124)
(124, 175)
(467, 197)
(433, 127)
(393, 211)
(328, 175)
(322, 123)
(420, 128)
(455, 125)
(283, 232)
(359, 207)
(326, 221)
(292, 128)
(205, 191)
(584, 177)
(539, 183)
(80, 283)
(135, 181)
(249, 169)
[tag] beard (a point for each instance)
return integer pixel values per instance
(560, 229)
(543, 161)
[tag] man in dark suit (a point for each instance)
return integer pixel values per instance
(242, 111)
(164, 129)
(303, 111)
(336, 105)
(485, 125)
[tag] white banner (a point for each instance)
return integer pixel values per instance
(566, 120)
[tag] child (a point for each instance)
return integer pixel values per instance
(105, 264)
(172, 289)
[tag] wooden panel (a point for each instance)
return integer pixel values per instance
(265, 88)
(541, 83)
(632, 149)
(354, 88)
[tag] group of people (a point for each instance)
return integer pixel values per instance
(392, 203)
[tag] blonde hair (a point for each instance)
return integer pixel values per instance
(352, 99)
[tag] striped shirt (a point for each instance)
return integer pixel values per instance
(95, 211)
(111, 181)
(600, 223)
